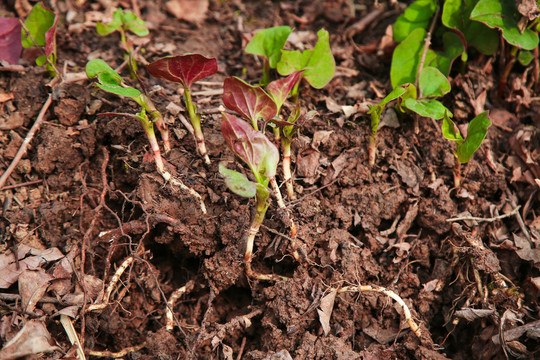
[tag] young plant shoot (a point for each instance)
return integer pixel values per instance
(269, 43)
(318, 63)
(122, 22)
(465, 148)
(253, 103)
(262, 157)
(186, 70)
(110, 81)
(39, 29)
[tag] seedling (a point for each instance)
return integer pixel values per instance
(465, 148)
(110, 81)
(255, 104)
(318, 64)
(186, 70)
(432, 83)
(269, 43)
(125, 21)
(262, 157)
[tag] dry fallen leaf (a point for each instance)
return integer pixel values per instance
(33, 338)
(325, 311)
(32, 286)
(189, 10)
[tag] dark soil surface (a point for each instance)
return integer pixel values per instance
(88, 187)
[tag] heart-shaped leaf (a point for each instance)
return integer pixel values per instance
(433, 83)
(184, 69)
(123, 20)
(476, 132)
(108, 79)
(319, 63)
(269, 42)
(252, 146)
(503, 15)
(279, 89)
(238, 183)
(252, 102)
(38, 22)
(10, 39)
(417, 15)
(426, 107)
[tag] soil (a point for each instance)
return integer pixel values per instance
(88, 187)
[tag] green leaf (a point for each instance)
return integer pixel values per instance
(269, 42)
(442, 60)
(433, 83)
(417, 15)
(238, 183)
(108, 79)
(123, 20)
(525, 57)
(503, 15)
(426, 107)
(449, 130)
(456, 15)
(406, 58)
(476, 132)
(319, 63)
(38, 22)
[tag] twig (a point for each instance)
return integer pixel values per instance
(427, 43)
(379, 289)
(28, 183)
(26, 142)
(72, 335)
(492, 219)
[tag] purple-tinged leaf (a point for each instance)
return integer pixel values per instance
(279, 89)
(252, 102)
(250, 145)
(184, 69)
(50, 38)
(10, 40)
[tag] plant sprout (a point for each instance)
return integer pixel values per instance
(186, 70)
(122, 22)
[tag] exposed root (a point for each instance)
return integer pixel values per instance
(170, 303)
(117, 354)
(177, 182)
(379, 289)
(127, 262)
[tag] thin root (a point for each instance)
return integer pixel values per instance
(170, 304)
(117, 354)
(379, 289)
(177, 182)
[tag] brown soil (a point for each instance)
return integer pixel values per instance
(101, 201)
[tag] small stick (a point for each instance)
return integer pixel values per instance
(427, 42)
(28, 183)
(288, 218)
(26, 142)
(72, 335)
(170, 304)
(480, 219)
(117, 354)
(379, 289)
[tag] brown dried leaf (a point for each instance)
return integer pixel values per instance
(382, 336)
(325, 311)
(33, 338)
(189, 10)
(32, 286)
(473, 314)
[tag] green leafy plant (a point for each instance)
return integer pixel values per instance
(269, 43)
(186, 70)
(262, 157)
(465, 148)
(125, 21)
(39, 29)
(110, 81)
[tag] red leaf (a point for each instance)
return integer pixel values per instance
(252, 102)
(184, 69)
(50, 38)
(279, 89)
(10, 40)
(250, 145)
